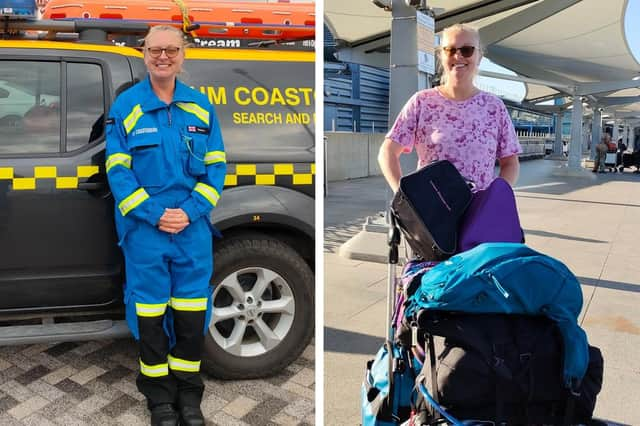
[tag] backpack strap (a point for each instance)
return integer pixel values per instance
(501, 381)
(573, 394)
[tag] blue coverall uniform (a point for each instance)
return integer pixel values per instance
(166, 156)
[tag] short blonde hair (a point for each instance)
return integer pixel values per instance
(455, 28)
(167, 28)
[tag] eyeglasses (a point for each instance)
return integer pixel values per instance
(170, 51)
(465, 51)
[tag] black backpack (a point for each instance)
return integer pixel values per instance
(501, 368)
(428, 208)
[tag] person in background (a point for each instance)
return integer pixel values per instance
(166, 166)
(455, 121)
(601, 153)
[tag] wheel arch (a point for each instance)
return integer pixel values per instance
(277, 212)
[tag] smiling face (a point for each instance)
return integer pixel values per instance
(458, 69)
(163, 67)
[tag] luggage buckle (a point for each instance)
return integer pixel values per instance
(525, 357)
(574, 387)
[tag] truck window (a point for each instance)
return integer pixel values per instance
(85, 104)
(29, 107)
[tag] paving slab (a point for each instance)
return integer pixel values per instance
(93, 383)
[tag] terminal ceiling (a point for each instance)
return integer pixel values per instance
(563, 47)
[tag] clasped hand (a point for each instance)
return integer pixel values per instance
(173, 221)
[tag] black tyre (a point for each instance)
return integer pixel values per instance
(263, 308)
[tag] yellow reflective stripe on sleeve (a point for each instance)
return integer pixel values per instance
(195, 109)
(118, 159)
(178, 364)
(189, 304)
(132, 118)
(132, 201)
(208, 192)
(158, 370)
(212, 157)
(150, 310)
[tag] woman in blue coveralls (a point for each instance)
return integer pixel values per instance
(166, 166)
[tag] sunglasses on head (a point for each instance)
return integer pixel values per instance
(465, 51)
(156, 52)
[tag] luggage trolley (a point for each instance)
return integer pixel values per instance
(611, 161)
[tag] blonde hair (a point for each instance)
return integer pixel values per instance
(167, 28)
(463, 28)
(455, 28)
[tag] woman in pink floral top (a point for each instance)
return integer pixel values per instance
(455, 121)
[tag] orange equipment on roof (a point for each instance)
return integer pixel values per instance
(228, 19)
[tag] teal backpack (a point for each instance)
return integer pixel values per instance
(509, 278)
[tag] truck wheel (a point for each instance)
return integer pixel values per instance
(263, 308)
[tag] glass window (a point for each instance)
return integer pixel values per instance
(29, 107)
(85, 104)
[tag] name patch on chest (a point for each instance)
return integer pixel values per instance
(144, 130)
(196, 129)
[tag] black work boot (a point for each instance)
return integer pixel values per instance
(191, 416)
(164, 415)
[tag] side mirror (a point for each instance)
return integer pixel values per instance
(4, 93)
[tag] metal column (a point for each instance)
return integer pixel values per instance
(404, 77)
(557, 144)
(575, 146)
(596, 131)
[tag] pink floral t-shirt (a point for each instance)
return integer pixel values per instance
(471, 134)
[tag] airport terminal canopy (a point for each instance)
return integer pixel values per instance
(566, 47)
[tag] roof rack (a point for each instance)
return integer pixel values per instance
(202, 19)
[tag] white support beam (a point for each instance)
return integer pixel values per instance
(504, 28)
(596, 132)
(621, 100)
(547, 108)
(605, 86)
(575, 145)
(476, 11)
(523, 79)
(548, 98)
(366, 53)
(525, 65)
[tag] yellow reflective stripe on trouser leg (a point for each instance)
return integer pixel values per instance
(158, 370)
(192, 305)
(133, 201)
(132, 118)
(178, 364)
(118, 159)
(150, 310)
(212, 157)
(208, 192)
(196, 110)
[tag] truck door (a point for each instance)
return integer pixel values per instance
(57, 240)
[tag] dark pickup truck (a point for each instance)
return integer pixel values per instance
(61, 271)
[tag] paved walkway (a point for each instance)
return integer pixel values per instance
(93, 383)
(592, 223)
